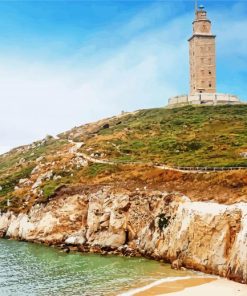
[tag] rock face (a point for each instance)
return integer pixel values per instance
(203, 236)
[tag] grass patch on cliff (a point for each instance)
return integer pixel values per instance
(50, 188)
(14, 203)
(96, 169)
(188, 136)
(11, 159)
(8, 183)
(163, 221)
(19, 163)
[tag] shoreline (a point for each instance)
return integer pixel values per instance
(201, 236)
(190, 286)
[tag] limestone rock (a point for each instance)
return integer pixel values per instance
(204, 236)
(46, 176)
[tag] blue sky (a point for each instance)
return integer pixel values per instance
(65, 63)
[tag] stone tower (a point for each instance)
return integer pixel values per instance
(202, 55)
(202, 68)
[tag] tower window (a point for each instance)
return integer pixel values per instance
(210, 85)
(209, 72)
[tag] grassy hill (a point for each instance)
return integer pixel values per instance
(188, 136)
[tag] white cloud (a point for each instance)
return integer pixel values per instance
(37, 99)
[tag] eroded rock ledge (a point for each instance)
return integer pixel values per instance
(202, 236)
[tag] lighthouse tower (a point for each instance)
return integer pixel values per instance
(202, 59)
(202, 55)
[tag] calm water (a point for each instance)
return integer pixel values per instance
(30, 269)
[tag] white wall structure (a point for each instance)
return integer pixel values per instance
(203, 99)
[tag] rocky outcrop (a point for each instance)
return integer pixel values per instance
(203, 236)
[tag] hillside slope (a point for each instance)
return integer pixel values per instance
(133, 143)
(190, 136)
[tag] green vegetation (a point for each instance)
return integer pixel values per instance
(19, 163)
(8, 183)
(96, 169)
(29, 155)
(163, 221)
(15, 203)
(188, 136)
(50, 188)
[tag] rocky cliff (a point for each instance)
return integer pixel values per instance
(204, 236)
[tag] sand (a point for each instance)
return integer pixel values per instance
(220, 287)
(202, 286)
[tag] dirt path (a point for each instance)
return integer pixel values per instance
(190, 170)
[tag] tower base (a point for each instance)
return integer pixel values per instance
(206, 99)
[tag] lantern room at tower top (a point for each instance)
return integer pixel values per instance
(202, 60)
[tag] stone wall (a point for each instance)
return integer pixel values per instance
(203, 99)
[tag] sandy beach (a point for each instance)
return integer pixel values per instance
(219, 287)
(192, 287)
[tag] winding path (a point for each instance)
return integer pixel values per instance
(193, 170)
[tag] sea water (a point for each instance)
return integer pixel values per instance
(33, 269)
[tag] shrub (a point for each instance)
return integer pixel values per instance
(99, 168)
(163, 221)
(8, 184)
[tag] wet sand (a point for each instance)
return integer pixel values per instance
(174, 286)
